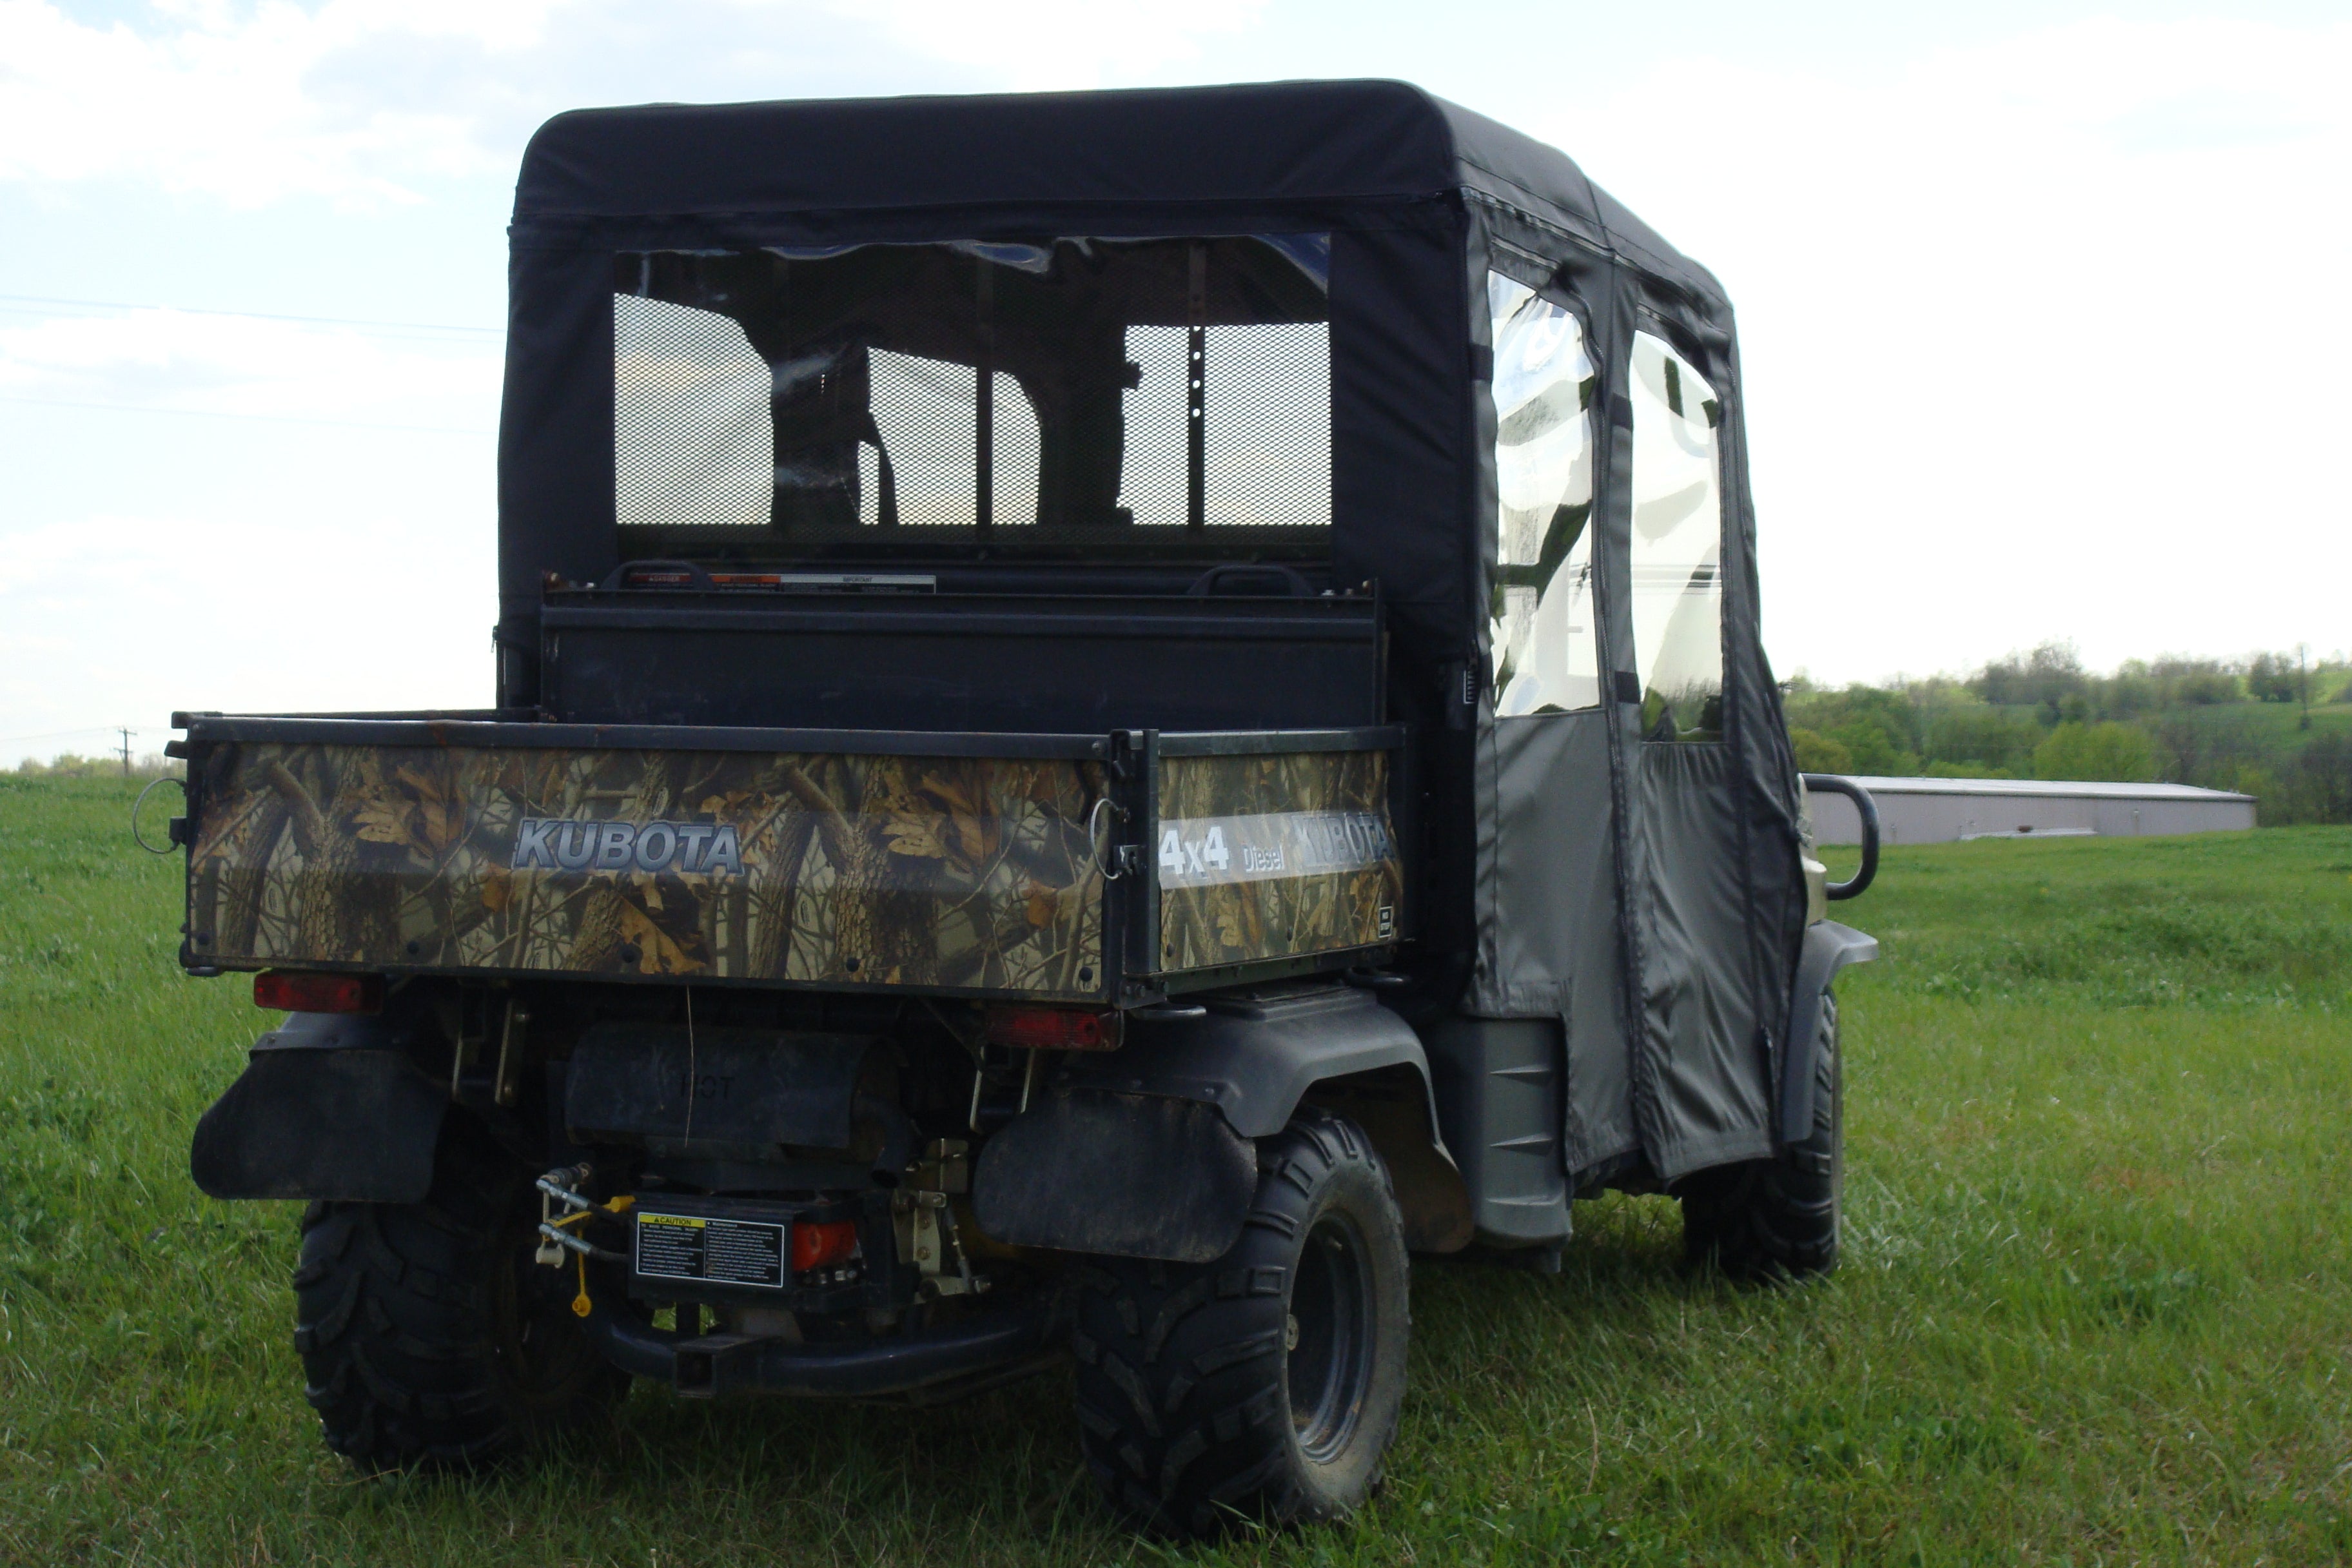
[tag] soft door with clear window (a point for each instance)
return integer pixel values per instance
(1546, 658)
(1677, 546)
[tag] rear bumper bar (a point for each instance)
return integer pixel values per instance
(933, 1364)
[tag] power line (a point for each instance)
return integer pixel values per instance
(251, 315)
(92, 729)
(267, 418)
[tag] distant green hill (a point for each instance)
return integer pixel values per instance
(2272, 725)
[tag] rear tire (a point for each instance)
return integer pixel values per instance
(1266, 1385)
(1779, 1218)
(428, 1338)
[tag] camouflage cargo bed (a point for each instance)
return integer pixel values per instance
(1098, 868)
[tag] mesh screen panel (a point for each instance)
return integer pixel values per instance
(692, 442)
(1018, 449)
(1153, 470)
(1266, 407)
(927, 411)
(1057, 392)
(928, 414)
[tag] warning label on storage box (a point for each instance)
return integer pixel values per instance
(717, 1251)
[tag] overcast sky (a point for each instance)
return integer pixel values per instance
(2038, 302)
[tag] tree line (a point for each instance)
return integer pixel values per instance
(2276, 726)
(74, 765)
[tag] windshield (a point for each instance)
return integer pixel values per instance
(1076, 396)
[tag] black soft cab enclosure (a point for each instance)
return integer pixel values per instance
(1300, 406)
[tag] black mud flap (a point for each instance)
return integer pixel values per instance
(1133, 1175)
(321, 1117)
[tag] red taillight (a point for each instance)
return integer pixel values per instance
(1053, 1029)
(292, 991)
(816, 1243)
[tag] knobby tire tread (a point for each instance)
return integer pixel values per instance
(1182, 1410)
(405, 1355)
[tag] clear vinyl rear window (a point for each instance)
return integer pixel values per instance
(1136, 394)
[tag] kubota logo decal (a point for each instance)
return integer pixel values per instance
(565, 844)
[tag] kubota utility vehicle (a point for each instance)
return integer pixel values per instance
(1115, 712)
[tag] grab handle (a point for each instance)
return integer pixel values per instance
(1293, 586)
(1865, 808)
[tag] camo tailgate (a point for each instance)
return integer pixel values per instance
(1272, 856)
(950, 872)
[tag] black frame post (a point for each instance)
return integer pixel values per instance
(1196, 347)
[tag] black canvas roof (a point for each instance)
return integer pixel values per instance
(1349, 144)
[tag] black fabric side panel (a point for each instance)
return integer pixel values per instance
(1699, 1018)
(555, 435)
(1399, 385)
(1777, 876)
(1759, 733)
(1403, 473)
(1550, 950)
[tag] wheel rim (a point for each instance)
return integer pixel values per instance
(1329, 1363)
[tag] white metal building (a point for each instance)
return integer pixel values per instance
(1938, 811)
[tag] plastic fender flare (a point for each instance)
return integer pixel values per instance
(1257, 1059)
(330, 1105)
(1829, 947)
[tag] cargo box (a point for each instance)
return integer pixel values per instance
(1097, 867)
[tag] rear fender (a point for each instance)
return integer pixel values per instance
(1829, 947)
(1395, 1108)
(1088, 1169)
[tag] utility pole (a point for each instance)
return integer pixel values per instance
(126, 751)
(2303, 681)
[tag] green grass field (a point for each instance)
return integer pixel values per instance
(2096, 1305)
